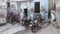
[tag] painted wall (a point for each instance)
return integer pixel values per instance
(31, 4)
(42, 3)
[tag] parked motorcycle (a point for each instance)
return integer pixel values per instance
(35, 27)
(26, 22)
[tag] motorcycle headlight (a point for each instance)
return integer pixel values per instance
(20, 21)
(35, 21)
(23, 22)
(30, 25)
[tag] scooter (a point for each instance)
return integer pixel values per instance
(26, 23)
(36, 24)
(35, 27)
(13, 17)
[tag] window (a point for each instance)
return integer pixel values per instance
(37, 7)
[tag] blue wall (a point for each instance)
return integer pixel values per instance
(42, 3)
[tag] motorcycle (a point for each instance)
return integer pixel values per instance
(26, 23)
(35, 27)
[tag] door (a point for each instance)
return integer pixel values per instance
(37, 7)
(25, 12)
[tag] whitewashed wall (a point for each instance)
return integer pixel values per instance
(3, 11)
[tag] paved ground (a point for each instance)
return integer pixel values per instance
(18, 29)
(10, 28)
(48, 30)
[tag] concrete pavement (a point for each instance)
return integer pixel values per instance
(48, 30)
